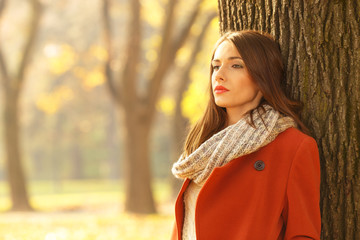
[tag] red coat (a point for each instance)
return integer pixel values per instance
(240, 201)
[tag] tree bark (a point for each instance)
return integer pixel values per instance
(320, 45)
(12, 85)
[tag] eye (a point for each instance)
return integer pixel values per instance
(216, 67)
(237, 66)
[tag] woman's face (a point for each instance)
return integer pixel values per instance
(232, 85)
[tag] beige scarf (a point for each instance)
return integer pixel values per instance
(232, 142)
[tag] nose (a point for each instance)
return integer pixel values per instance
(219, 75)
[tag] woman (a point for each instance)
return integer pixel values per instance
(251, 172)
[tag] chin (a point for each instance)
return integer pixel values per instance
(221, 104)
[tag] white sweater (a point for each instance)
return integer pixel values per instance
(190, 197)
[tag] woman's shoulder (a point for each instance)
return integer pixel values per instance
(293, 137)
(290, 145)
(294, 133)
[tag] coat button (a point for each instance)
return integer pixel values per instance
(259, 165)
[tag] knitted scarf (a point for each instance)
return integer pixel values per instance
(232, 142)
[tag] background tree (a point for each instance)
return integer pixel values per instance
(140, 107)
(320, 45)
(12, 84)
(180, 122)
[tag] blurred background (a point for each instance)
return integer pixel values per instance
(95, 99)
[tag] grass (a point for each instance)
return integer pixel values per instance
(84, 210)
(84, 226)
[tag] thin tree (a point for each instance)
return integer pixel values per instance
(320, 44)
(12, 84)
(180, 122)
(139, 110)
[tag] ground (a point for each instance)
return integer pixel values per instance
(89, 214)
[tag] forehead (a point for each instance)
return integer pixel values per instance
(225, 50)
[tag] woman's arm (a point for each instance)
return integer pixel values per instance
(302, 210)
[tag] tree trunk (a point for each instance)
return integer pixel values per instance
(178, 135)
(140, 110)
(180, 123)
(15, 172)
(139, 198)
(320, 46)
(12, 86)
(112, 144)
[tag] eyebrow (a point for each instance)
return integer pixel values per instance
(229, 58)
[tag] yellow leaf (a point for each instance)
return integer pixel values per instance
(152, 12)
(182, 55)
(93, 78)
(151, 55)
(50, 103)
(166, 105)
(155, 41)
(209, 5)
(196, 97)
(99, 52)
(61, 57)
(46, 104)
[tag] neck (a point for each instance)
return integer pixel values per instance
(234, 115)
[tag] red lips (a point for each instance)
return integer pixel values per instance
(220, 89)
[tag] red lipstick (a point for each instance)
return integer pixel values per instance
(220, 89)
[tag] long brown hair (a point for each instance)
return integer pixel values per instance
(262, 58)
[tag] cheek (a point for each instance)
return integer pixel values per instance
(250, 84)
(248, 88)
(252, 87)
(212, 82)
